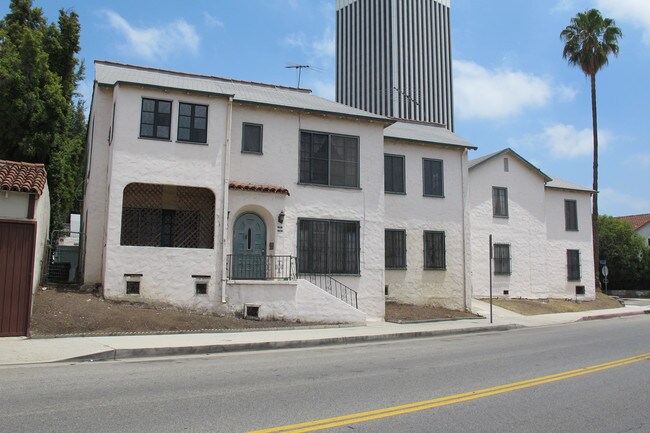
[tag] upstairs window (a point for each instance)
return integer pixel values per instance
(192, 123)
(395, 246)
(500, 202)
(432, 177)
(155, 119)
(329, 159)
(502, 260)
(251, 138)
(394, 174)
(573, 265)
(434, 250)
(571, 215)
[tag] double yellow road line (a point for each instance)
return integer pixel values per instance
(445, 401)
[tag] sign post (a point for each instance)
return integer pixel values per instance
(605, 272)
(490, 278)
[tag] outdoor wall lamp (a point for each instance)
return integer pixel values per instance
(281, 217)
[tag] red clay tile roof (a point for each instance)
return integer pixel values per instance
(637, 221)
(22, 177)
(256, 187)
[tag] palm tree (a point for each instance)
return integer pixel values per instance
(588, 42)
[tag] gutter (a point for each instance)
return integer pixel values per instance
(224, 209)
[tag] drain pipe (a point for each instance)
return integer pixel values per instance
(465, 195)
(224, 210)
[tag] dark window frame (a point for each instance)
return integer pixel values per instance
(574, 272)
(433, 261)
(500, 211)
(395, 249)
(243, 138)
(571, 215)
(440, 184)
(502, 257)
(311, 256)
(196, 135)
(158, 118)
(306, 174)
(390, 178)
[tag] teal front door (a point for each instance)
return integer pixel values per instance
(249, 248)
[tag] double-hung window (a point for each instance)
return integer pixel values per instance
(192, 123)
(155, 118)
(502, 260)
(328, 247)
(571, 215)
(434, 250)
(329, 159)
(573, 265)
(394, 174)
(500, 202)
(432, 177)
(395, 246)
(251, 138)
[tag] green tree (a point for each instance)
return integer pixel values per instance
(627, 254)
(588, 42)
(41, 118)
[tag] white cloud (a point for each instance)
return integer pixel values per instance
(496, 94)
(155, 43)
(564, 141)
(619, 203)
(324, 89)
(323, 47)
(634, 11)
(211, 20)
(564, 6)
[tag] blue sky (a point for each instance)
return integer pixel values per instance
(512, 87)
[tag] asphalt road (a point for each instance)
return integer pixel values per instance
(497, 382)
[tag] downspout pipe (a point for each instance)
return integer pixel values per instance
(463, 173)
(224, 210)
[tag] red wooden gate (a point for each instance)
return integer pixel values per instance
(17, 241)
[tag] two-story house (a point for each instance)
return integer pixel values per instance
(540, 228)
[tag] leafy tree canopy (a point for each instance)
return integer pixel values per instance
(627, 255)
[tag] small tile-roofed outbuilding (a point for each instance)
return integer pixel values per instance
(22, 177)
(637, 221)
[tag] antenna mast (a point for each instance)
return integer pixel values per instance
(299, 68)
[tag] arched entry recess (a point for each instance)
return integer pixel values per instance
(249, 248)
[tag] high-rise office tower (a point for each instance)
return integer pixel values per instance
(393, 57)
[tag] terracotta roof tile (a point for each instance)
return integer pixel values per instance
(637, 221)
(256, 187)
(22, 177)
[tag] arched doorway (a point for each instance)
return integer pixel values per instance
(249, 248)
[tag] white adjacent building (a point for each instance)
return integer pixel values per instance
(541, 231)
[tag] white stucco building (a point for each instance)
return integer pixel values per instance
(215, 194)
(540, 227)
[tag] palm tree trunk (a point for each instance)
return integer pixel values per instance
(594, 213)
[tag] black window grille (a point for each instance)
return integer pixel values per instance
(500, 202)
(251, 138)
(395, 245)
(328, 159)
(434, 250)
(155, 119)
(502, 259)
(167, 216)
(192, 123)
(571, 215)
(432, 177)
(573, 265)
(328, 247)
(394, 173)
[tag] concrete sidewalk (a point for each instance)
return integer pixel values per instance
(19, 350)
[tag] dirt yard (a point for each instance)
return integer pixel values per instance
(61, 312)
(530, 307)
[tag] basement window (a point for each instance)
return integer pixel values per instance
(201, 288)
(580, 290)
(133, 287)
(251, 311)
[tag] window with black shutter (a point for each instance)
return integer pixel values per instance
(571, 215)
(328, 247)
(434, 250)
(500, 202)
(573, 265)
(394, 174)
(329, 159)
(432, 177)
(395, 246)
(502, 259)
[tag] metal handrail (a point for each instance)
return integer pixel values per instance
(333, 287)
(261, 267)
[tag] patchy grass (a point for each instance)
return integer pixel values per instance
(529, 307)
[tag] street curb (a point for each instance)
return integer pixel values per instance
(116, 354)
(613, 315)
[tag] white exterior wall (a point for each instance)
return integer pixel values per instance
(416, 213)
(96, 189)
(560, 240)
(14, 205)
(166, 272)
(644, 232)
(42, 216)
(279, 165)
(524, 229)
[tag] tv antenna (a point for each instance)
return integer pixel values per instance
(407, 96)
(299, 68)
